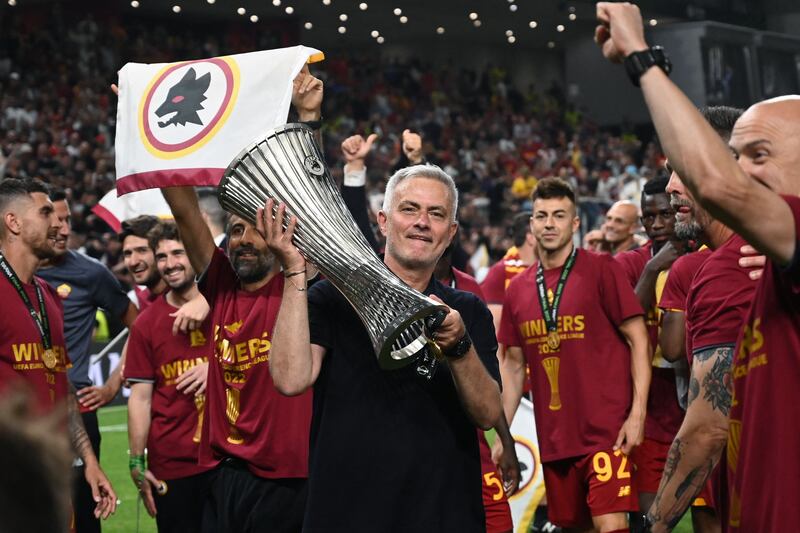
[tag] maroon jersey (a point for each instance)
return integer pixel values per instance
(21, 344)
(763, 441)
(464, 282)
(582, 388)
(496, 282)
(144, 297)
(681, 274)
(664, 413)
(157, 356)
(246, 417)
(718, 299)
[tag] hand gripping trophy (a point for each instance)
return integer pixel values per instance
(288, 166)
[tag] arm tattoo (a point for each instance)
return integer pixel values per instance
(694, 390)
(717, 383)
(80, 440)
(673, 458)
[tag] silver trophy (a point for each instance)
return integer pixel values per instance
(287, 165)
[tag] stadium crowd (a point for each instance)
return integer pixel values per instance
(494, 137)
(651, 361)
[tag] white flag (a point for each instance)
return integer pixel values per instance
(114, 209)
(531, 488)
(183, 123)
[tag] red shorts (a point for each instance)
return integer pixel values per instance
(495, 504)
(649, 458)
(579, 488)
(706, 496)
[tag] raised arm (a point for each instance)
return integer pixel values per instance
(355, 150)
(695, 150)
(196, 236)
(294, 362)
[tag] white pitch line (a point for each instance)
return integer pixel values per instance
(115, 428)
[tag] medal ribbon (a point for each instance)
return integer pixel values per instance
(42, 324)
(549, 314)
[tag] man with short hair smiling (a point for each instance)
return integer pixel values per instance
(416, 436)
(84, 285)
(620, 226)
(574, 319)
(140, 260)
(32, 346)
(167, 373)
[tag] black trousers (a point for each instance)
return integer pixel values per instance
(241, 502)
(180, 510)
(82, 502)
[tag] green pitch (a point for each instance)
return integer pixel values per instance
(114, 458)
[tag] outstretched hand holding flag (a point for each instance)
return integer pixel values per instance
(182, 123)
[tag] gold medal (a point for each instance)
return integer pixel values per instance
(553, 340)
(49, 358)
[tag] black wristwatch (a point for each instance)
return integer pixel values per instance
(637, 63)
(460, 349)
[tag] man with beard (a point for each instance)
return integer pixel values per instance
(165, 413)
(576, 321)
(32, 346)
(619, 229)
(716, 305)
(647, 269)
(84, 285)
(758, 198)
(255, 437)
(416, 435)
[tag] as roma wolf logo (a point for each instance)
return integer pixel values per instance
(185, 99)
(185, 104)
